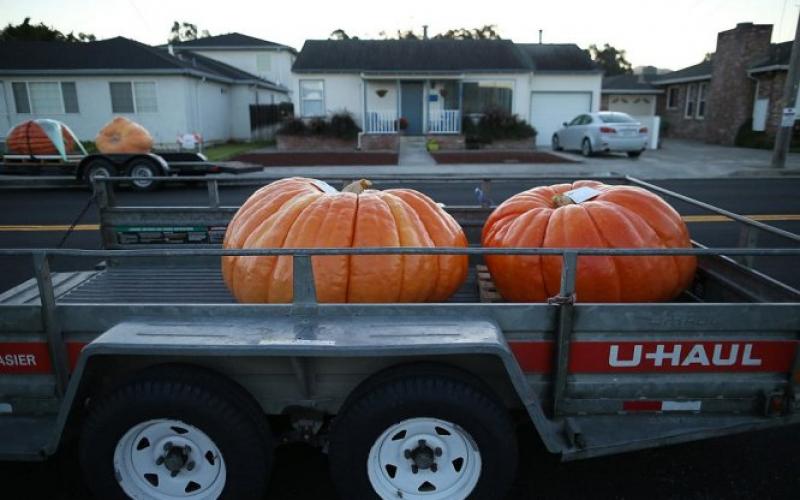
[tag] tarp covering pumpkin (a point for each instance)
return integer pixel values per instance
(42, 137)
(307, 213)
(611, 217)
(122, 135)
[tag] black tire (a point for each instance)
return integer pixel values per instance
(365, 417)
(586, 148)
(98, 168)
(555, 143)
(143, 167)
(634, 154)
(197, 397)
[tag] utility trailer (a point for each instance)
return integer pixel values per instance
(172, 389)
(141, 167)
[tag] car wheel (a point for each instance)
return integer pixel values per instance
(556, 144)
(95, 169)
(175, 434)
(634, 154)
(423, 436)
(146, 170)
(586, 148)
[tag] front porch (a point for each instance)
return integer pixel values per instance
(412, 106)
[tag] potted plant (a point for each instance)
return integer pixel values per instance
(402, 124)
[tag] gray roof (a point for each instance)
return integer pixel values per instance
(779, 54)
(409, 56)
(701, 71)
(633, 83)
(113, 56)
(230, 41)
(557, 57)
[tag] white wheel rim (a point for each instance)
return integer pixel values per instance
(586, 148)
(457, 459)
(142, 472)
(142, 171)
(99, 172)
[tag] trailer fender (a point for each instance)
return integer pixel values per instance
(346, 336)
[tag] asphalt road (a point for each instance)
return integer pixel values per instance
(758, 465)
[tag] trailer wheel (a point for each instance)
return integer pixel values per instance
(175, 437)
(97, 168)
(143, 167)
(430, 437)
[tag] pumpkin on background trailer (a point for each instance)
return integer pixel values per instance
(41, 137)
(122, 135)
(613, 217)
(307, 213)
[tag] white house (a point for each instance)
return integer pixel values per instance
(433, 83)
(86, 84)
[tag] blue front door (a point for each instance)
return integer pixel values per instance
(411, 104)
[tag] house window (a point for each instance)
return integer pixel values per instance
(133, 97)
(672, 97)
(480, 97)
(46, 98)
(312, 97)
(702, 89)
(691, 101)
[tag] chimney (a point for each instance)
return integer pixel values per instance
(540, 37)
(424, 31)
(730, 93)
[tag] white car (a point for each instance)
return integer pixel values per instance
(605, 131)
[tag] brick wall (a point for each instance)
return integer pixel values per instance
(770, 86)
(730, 97)
(678, 125)
(380, 142)
(448, 142)
(313, 143)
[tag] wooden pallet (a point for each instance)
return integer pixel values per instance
(486, 290)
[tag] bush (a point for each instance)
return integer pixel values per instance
(495, 125)
(340, 126)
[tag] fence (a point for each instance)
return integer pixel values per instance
(447, 121)
(381, 122)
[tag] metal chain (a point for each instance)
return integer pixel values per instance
(83, 211)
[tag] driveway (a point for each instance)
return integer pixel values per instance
(682, 158)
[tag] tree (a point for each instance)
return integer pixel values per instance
(486, 32)
(41, 32)
(182, 32)
(610, 59)
(339, 34)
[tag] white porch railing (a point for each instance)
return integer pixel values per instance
(447, 121)
(381, 122)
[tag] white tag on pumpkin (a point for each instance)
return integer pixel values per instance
(582, 194)
(324, 186)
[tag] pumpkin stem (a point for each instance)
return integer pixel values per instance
(561, 200)
(358, 186)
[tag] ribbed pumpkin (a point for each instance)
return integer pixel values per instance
(619, 217)
(306, 213)
(122, 135)
(29, 138)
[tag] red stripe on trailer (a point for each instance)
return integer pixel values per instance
(643, 405)
(657, 357)
(33, 358)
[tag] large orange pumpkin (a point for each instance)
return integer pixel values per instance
(29, 138)
(306, 213)
(619, 217)
(122, 135)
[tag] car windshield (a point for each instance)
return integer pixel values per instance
(616, 118)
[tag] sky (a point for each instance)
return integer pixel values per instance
(668, 34)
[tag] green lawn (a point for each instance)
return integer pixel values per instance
(227, 151)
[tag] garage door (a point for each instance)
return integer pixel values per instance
(550, 109)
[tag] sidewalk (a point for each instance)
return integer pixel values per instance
(676, 159)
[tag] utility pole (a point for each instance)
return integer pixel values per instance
(784, 135)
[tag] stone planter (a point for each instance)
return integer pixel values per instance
(510, 144)
(313, 143)
(380, 142)
(448, 142)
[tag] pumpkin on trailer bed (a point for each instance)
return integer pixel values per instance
(36, 137)
(612, 217)
(122, 135)
(307, 213)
